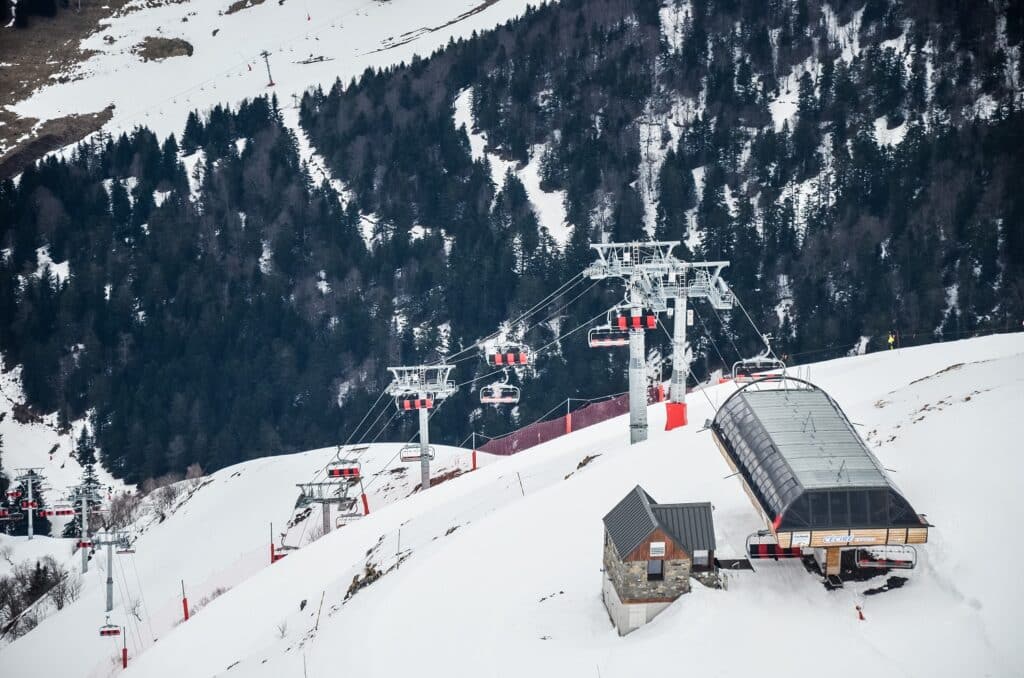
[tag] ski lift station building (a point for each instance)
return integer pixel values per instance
(809, 473)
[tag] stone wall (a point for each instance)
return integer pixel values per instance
(630, 578)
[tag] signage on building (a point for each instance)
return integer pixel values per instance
(801, 539)
(838, 539)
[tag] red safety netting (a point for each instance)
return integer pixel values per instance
(543, 431)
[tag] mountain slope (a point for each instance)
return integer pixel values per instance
(252, 277)
(515, 587)
(214, 535)
(217, 60)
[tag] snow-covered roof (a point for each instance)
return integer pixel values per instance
(805, 463)
(638, 514)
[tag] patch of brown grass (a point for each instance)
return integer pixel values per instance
(155, 49)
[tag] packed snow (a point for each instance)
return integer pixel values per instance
(309, 43)
(40, 443)
(503, 565)
(214, 535)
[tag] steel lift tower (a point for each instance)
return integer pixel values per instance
(328, 493)
(84, 494)
(653, 276)
(110, 539)
(418, 387)
(29, 475)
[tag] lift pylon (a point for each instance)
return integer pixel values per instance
(328, 493)
(419, 387)
(29, 475)
(84, 496)
(110, 539)
(653, 277)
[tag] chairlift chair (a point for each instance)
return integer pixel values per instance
(888, 557)
(749, 369)
(500, 393)
(347, 469)
(514, 354)
(13, 494)
(411, 452)
(605, 336)
(58, 510)
(110, 630)
(647, 320)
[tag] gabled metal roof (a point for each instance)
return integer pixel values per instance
(631, 521)
(689, 524)
(638, 514)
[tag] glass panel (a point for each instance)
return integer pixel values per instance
(858, 508)
(655, 570)
(819, 509)
(839, 509)
(878, 505)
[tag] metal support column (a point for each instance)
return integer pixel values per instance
(680, 365)
(326, 517)
(31, 508)
(424, 447)
(85, 534)
(637, 388)
(110, 575)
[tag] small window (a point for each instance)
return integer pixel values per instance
(700, 558)
(657, 549)
(655, 570)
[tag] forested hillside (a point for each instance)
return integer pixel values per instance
(214, 300)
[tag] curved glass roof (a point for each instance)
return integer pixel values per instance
(807, 466)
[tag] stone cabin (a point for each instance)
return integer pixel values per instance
(650, 549)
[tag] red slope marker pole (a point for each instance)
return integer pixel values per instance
(184, 600)
(124, 649)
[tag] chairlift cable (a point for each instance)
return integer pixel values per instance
(127, 613)
(145, 605)
(727, 334)
(707, 333)
(562, 290)
(689, 372)
(416, 435)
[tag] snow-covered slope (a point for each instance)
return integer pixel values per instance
(216, 535)
(309, 43)
(41, 443)
(498, 572)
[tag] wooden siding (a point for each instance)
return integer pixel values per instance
(872, 537)
(672, 550)
(917, 535)
(832, 561)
